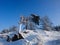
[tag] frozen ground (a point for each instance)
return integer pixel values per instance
(37, 37)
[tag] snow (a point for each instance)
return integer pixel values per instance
(33, 37)
(19, 42)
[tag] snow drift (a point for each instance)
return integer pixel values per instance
(33, 37)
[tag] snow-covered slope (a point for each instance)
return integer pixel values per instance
(33, 37)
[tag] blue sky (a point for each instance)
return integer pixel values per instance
(11, 10)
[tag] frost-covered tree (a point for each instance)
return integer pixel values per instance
(13, 28)
(23, 21)
(30, 22)
(57, 28)
(46, 23)
(5, 31)
(35, 19)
